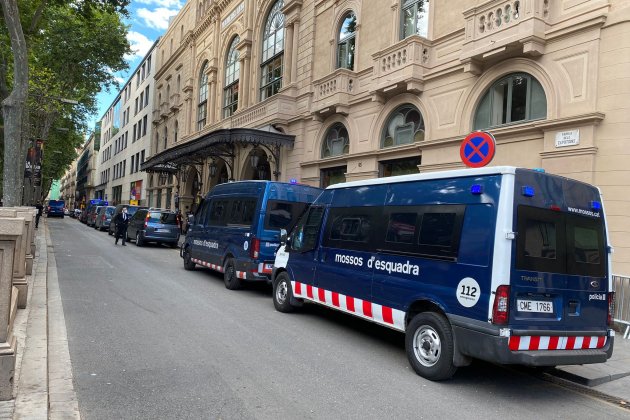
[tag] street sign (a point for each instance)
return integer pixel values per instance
(477, 149)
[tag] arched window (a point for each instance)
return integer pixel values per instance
(346, 42)
(179, 83)
(415, 18)
(168, 92)
(165, 138)
(175, 131)
(202, 107)
(405, 125)
(517, 97)
(272, 52)
(336, 141)
(230, 89)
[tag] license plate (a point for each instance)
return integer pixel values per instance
(268, 267)
(162, 230)
(539, 306)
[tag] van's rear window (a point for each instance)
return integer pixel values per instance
(162, 218)
(283, 214)
(555, 242)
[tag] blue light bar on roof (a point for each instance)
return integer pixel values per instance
(541, 170)
(528, 191)
(476, 189)
(596, 205)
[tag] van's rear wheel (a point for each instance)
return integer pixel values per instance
(189, 265)
(429, 345)
(229, 276)
(283, 293)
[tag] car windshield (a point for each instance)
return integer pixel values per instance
(162, 218)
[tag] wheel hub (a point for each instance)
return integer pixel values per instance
(281, 292)
(427, 346)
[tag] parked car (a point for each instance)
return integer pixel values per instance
(154, 225)
(66, 211)
(104, 217)
(131, 210)
(91, 215)
(55, 208)
(83, 216)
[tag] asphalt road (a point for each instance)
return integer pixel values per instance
(150, 340)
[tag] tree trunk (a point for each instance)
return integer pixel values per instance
(12, 108)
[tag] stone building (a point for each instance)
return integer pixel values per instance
(321, 91)
(68, 185)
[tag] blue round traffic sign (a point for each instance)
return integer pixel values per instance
(477, 149)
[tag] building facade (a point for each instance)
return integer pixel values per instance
(125, 132)
(68, 185)
(322, 91)
(86, 172)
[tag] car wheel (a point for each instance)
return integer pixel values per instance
(189, 265)
(139, 241)
(283, 294)
(229, 276)
(429, 346)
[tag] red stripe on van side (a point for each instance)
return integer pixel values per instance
(335, 299)
(350, 303)
(514, 342)
(586, 343)
(387, 315)
(298, 288)
(601, 341)
(553, 342)
(321, 294)
(367, 308)
(309, 291)
(534, 342)
(570, 343)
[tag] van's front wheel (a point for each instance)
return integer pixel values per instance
(282, 293)
(229, 276)
(189, 265)
(429, 345)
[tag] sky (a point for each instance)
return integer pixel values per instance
(148, 19)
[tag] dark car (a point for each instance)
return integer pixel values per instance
(131, 210)
(154, 225)
(104, 217)
(91, 215)
(55, 208)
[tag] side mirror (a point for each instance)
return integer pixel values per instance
(283, 236)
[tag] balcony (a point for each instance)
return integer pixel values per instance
(164, 109)
(500, 28)
(156, 116)
(175, 104)
(333, 92)
(401, 67)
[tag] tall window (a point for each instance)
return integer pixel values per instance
(336, 142)
(405, 125)
(165, 138)
(515, 98)
(175, 131)
(415, 18)
(346, 42)
(202, 107)
(272, 52)
(230, 90)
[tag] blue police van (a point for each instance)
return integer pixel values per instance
(502, 264)
(236, 230)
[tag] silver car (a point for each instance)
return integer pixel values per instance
(104, 217)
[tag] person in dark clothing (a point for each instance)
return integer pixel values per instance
(122, 222)
(40, 210)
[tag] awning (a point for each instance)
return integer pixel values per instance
(219, 143)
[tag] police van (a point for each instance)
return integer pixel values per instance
(236, 230)
(502, 264)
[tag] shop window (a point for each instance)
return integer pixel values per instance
(404, 126)
(272, 52)
(400, 167)
(230, 90)
(336, 142)
(415, 18)
(346, 42)
(516, 98)
(330, 176)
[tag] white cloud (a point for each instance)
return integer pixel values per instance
(121, 81)
(169, 4)
(158, 18)
(140, 44)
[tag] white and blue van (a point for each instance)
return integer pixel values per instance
(236, 230)
(502, 264)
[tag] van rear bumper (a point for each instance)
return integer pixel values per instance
(494, 348)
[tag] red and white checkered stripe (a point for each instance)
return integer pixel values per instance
(207, 264)
(534, 342)
(241, 274)
(383, 315)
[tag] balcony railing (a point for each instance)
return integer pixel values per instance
(333, 92)
(402, 66)
(500, 27)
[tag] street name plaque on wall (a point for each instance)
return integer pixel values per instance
(567, 138)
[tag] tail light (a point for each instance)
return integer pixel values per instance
(103, 218)
(500, 310)
(611, 308)
(146, 221)
(48, 209)
(254, 250)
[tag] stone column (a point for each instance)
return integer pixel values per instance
(10, 230)
(19, 256)
(29, 214)
(288, 55)
(245, 72)
(212, 98)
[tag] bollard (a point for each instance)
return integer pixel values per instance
(10, 230)
(21, 250)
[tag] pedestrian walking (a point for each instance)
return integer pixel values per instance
(40, 210)
(122, 222)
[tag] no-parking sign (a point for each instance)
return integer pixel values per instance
(477, 149)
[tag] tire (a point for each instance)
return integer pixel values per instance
(229, 276)
(429, 345)
(189, 265)
(283, 294)
(139, 240)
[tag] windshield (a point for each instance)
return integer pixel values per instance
(283, 214)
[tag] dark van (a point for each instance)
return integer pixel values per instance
(55, 208)
(236, 230)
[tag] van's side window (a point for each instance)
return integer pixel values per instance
(306, 231)
(283, 214)
(242, 211)
(401, 228)
(217, 213)
(351, 228)
(202, 213)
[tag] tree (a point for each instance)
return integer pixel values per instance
(47, 20)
